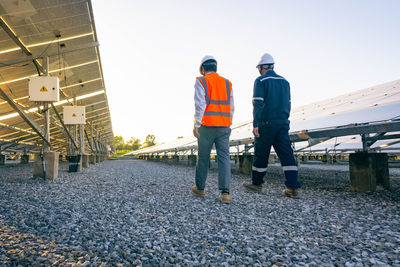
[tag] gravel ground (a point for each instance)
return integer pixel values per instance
(142, 213)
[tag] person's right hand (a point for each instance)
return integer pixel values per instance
(255, 132)
(196, 132)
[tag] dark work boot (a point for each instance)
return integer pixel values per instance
(292, 192)
(252, 188)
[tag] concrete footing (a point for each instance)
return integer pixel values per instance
(245, 163)
(192, 160)
(50, 163)
(92, 159)
(2, 159)
(304, 158)
(367, 170)
(85, 161)
(24, 159)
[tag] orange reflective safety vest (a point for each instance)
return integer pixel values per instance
(218, 99)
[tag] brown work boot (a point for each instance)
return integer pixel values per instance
(252, 188)
(226, 198)
(198, 192)
(292, 192)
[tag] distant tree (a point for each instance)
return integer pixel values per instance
(133, 143)
(150, 141)
(119, 142)
(179, 137)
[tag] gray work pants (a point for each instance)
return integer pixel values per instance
(209, 136)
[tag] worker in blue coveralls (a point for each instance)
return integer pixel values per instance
(271, 110)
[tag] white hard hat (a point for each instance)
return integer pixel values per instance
(206, 58)
(266, 59)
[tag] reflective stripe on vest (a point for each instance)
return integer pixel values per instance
(217, 102)
(213, 113)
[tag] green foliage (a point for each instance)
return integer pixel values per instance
(122, 146)
(133, 144)
(150, 141)
(119, 142)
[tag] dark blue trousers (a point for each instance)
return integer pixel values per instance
(278, 137)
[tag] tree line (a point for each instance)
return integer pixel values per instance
(133, 143)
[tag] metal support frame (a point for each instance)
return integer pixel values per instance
(45, 132)
(365, 144)
(21, 111)
(97, 141)
(89, 141)
(92, 137)
(81, 139)
(382, 136)
(64, 127)
(354, 129)
(46, 109)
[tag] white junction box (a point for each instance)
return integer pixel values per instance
(74, 115)
(44, 88)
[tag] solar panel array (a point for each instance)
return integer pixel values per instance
(376, 104)
(65, 31)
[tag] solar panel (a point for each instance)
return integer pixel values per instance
(374, 107)
(65, 31)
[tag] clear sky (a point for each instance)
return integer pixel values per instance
(151, 51)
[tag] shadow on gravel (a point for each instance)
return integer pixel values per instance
(21, 249)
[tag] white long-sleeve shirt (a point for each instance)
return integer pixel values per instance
(200, 103)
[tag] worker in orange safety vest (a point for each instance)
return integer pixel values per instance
(214, 108)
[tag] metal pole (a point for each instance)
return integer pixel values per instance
(46, 109)
(82, 140)
(92, 135)
(97, 140)
(75, 130)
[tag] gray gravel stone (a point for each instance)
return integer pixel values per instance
(121, 213)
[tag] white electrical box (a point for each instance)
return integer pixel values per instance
(74, 115)
(44, 88)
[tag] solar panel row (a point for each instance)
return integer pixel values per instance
(372, 107)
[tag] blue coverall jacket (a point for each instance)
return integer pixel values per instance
(271, 100)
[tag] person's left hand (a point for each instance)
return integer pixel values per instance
(256, 132)
(196, 132)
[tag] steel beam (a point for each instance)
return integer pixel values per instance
(81, 139)
(382, 137)
(89, 141)
(24, 115)
(354, 129)
(64, 127)
(15, 38)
